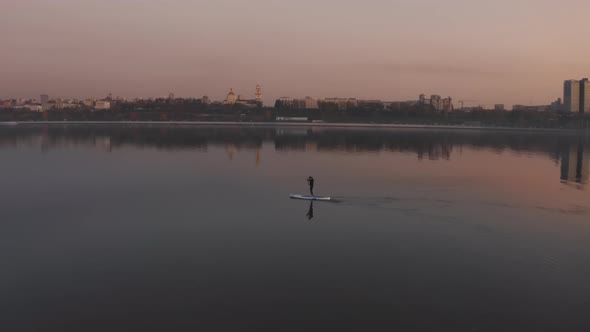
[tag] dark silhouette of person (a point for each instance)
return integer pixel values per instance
(310, 211)
(310, 181)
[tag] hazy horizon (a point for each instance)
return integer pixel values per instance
(511, 52)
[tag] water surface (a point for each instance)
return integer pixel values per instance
(190, 228)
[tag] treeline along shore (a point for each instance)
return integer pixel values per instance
(179, 110)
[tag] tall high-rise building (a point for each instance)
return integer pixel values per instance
(585, 96)
(44, 99)
(576, 96)
(571, 96)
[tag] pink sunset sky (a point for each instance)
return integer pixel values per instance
(502, 51)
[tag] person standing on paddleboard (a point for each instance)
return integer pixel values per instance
(310, 181)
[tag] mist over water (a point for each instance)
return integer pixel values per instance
(184, 228)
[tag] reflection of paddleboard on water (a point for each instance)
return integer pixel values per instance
(309, 214)
(311, 198)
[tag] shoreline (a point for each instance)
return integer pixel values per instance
(291, 124)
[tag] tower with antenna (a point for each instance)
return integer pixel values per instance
(258, 93)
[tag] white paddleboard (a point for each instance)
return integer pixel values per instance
(311, 198)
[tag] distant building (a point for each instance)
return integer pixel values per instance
(231, 97)
(556, 106)
(422, 100)
(576, 96)
(259, 93)
(34, 107)
(584, 96)
(436, 102)
(89, 102)
(171, 95)
(398, 105)
(305, 103)
(341, 103)
(534, 108)
(310, 103)
(371, 104)
(205, 100)
(247, 102)
(60, 104)
(571, 96)
(284, 102)
(297, 103)
(102, 105)
(499, 107)
(44, 99)
(447, 104)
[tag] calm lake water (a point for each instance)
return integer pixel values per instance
(186, 228)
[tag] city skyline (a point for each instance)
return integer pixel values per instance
(575, 99)
(510, 52)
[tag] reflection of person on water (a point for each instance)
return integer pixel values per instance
(310, 181)
(310, 211)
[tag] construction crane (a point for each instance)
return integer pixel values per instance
(466, 101)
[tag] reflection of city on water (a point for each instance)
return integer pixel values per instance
(565, 148)
(575, 165)
(232, 149)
